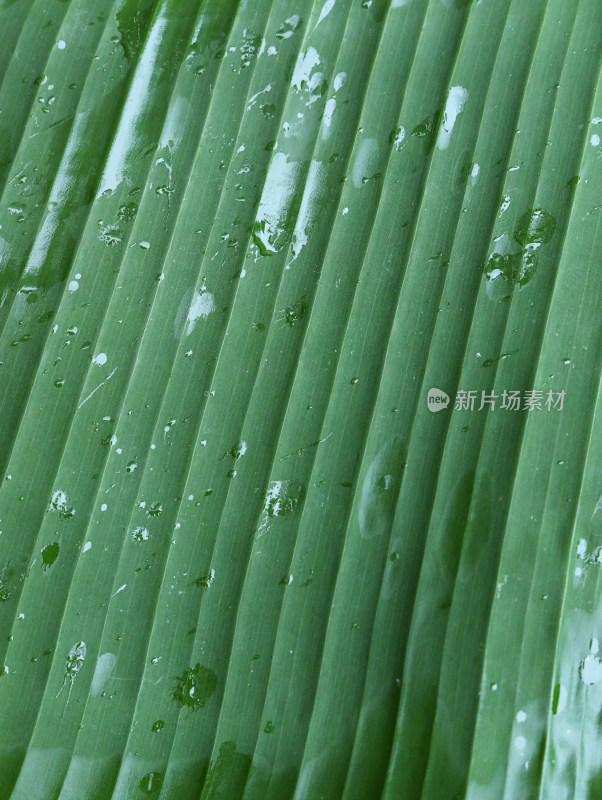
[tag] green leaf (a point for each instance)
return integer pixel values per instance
(246, 251)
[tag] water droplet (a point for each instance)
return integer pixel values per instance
(127, 212)
(140, 534)
(397, 136)
(59, 503)
(295, 312)
(559, 699)
(514, 262)
(380, 489)
(283, 498)
(194, 687)
(49, 555)
(73, 664)
(205, 580)
(535, 227)
(590, 670)
(151, 783)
